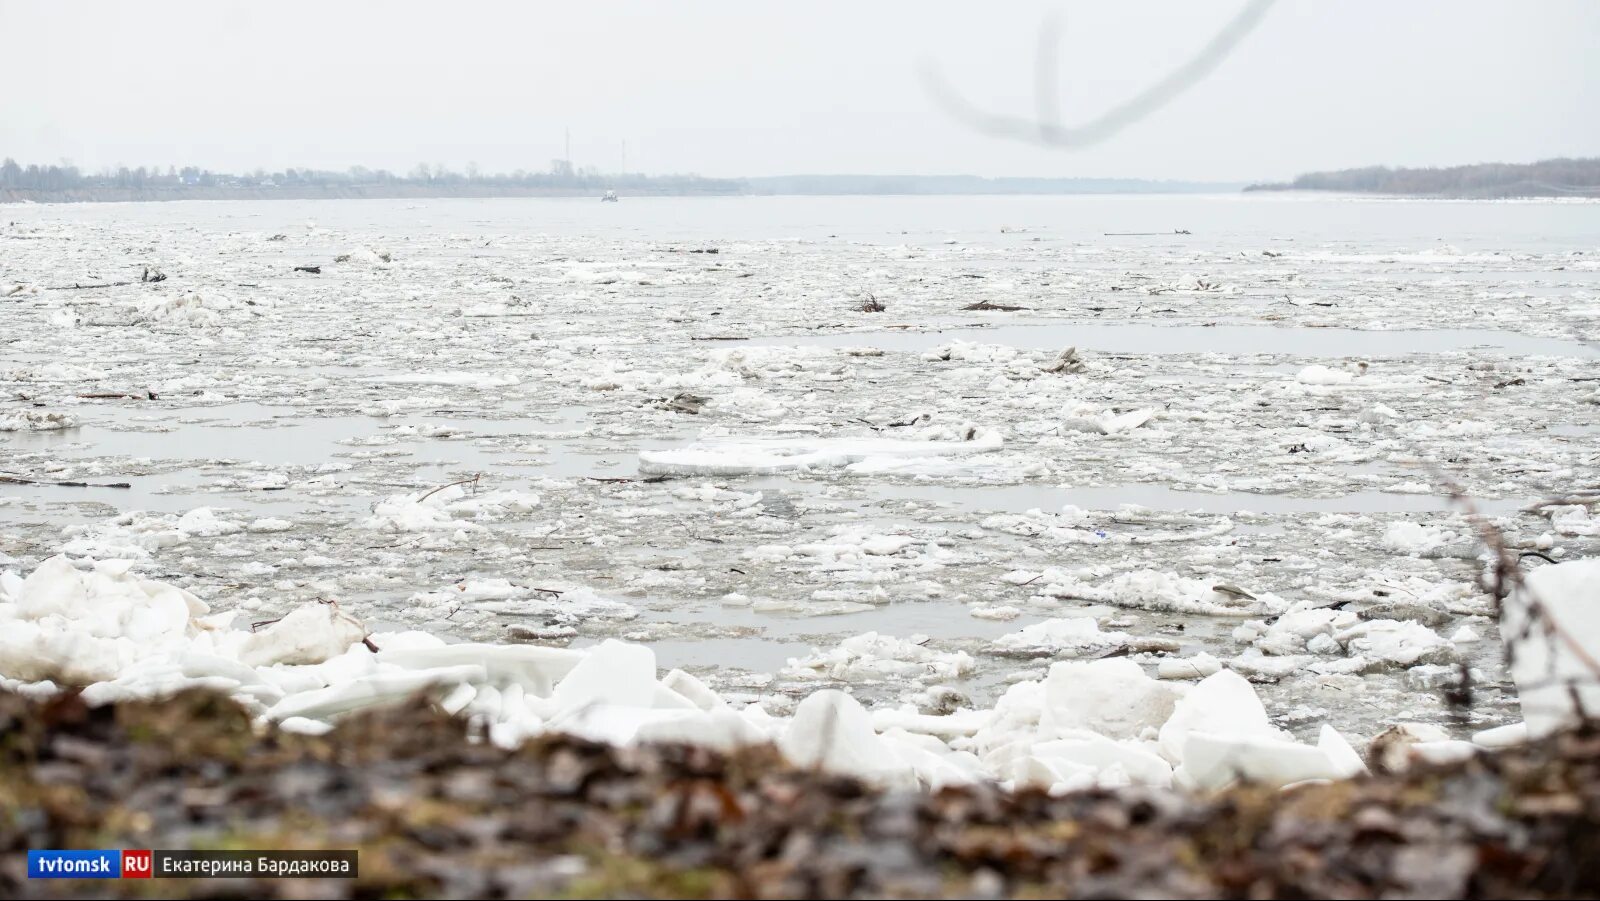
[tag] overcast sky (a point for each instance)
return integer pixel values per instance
(746, 88)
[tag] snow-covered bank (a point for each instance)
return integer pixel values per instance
(1105, 722)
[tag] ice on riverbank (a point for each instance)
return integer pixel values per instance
(1104, 722)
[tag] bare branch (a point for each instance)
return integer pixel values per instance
(1047, 128)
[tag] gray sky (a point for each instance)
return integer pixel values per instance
(746, 88)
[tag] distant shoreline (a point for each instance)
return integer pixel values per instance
(15, 198)
(1576, 178)
(409, 192)
(148, 196)
(41, 198)
(400, 192)
(1572, 178)
(625, 186)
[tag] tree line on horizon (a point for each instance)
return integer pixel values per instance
(1553, 178)
(561, 175)
(1547, 178)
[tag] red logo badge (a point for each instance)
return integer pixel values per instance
(136, 865)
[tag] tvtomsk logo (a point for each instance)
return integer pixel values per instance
(89, 865)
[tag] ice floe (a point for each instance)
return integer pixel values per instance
(1151, 590)
(777, 455)
(1553, 623)
(36, 421)
(1071, 637)
(872, 656)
